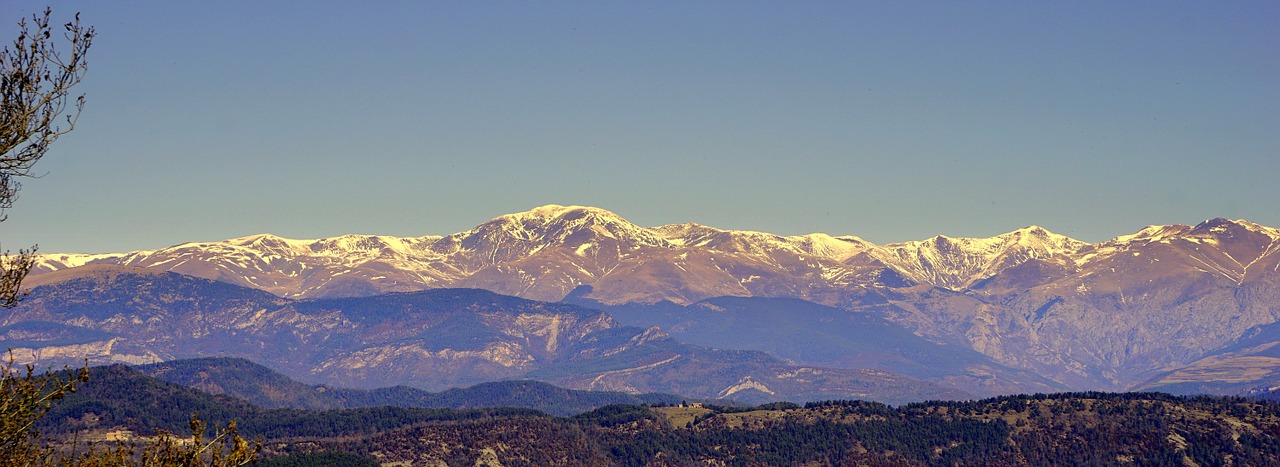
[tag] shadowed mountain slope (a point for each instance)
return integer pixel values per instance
(433, 340)
(265, 388)
(810, 334)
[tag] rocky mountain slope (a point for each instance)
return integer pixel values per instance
(1109, 315)
(434, 340)
(1248, 366)
(811, 334)
(1125, 309)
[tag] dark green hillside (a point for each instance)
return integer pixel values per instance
(1057, 429)
(118, 396)
(1061, 429)
(320, 459)
(541, 396)
(244, 379)
(1269, 394)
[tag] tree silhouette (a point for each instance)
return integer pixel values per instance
(36, 77)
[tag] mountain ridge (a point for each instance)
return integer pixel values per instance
(589, 243)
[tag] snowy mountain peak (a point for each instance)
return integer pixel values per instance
(1210, 230)
(260, 243)
(569, 226)
(56, 262)
(256, 238)
(679, 232)
(956, 263)
(837, 248)
(549, 250)
(1221, 226)
(556, 210)
(555, 213)
(1043, 241)
(585, 231)
(1150, 233)
(1034, 231)
(696, 235)
(269, 242)
(1034, 237)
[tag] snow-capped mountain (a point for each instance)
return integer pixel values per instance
(1125, 309)
(546, 252)
(956, 263)
(1106, 315)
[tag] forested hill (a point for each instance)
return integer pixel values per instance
(1065, 429)
(224, 389)
(1074, 428)
(119, 397)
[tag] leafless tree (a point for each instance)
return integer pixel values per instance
(37, 80)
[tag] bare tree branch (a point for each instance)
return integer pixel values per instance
(36, 77)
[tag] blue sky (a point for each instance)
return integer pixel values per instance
(891, 121)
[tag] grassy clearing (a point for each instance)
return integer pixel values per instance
(678, 417)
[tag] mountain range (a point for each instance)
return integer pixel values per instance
(545, 253)
(1025, 309)
(434, 339)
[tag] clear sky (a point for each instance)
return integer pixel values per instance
(888, 120)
